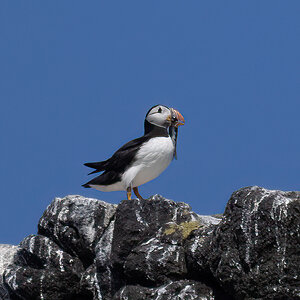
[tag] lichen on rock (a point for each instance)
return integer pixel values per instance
(185, 228)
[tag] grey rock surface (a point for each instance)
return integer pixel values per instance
(41, 270)
(254, 253)
(144, 244)
(76, 223)
(7, 253)
(158, 249)
(177, 290)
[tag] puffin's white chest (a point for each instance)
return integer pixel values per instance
(151, 160)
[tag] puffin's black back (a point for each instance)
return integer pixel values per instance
(115, 166)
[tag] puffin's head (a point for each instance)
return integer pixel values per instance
(163, 116)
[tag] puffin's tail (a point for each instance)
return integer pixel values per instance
(86, 185)
(98, 166)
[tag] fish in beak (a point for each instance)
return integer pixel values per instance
(176, 118)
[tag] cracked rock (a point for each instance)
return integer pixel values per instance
(76, 223)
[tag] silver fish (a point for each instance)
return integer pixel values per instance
(173, 132)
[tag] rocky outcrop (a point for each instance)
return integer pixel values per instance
(159, 249)
(254, 253)
(76, 224)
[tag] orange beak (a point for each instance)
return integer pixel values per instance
(177, 118)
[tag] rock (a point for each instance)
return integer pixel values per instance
(137, 222)
(155, 262)
(41, 270)
(76, 223)
(254, 251)
(7, 253)
(133, 292)
(177, 290)
(89, 284)
(210, 220)
(103, 262)
(158, 249)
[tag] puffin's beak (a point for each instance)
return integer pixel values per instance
(177, 118)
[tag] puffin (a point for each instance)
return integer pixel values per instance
(141, 159)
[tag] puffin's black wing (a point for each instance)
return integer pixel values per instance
(115, 166)
(123, 157)
(106, 178)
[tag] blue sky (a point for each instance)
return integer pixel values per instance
(77, 79)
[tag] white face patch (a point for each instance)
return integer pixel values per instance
(159, 116)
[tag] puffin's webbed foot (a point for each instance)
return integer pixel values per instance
(129, 193)
(136, 192)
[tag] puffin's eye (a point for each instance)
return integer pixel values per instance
(159, 110)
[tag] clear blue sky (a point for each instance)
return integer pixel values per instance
(77, 78)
